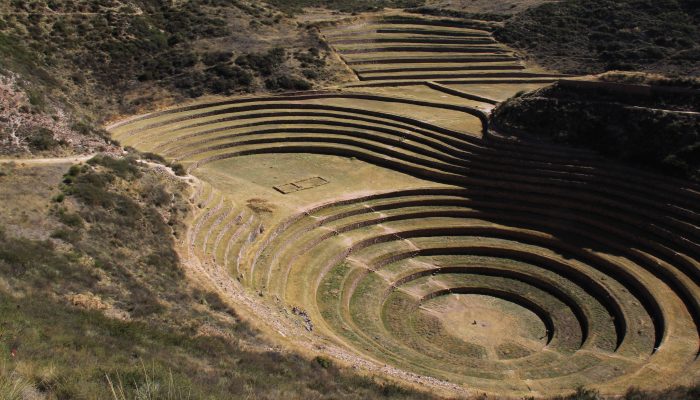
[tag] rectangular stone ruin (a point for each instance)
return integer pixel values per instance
(308, 183)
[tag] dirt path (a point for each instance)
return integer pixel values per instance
(47, 161)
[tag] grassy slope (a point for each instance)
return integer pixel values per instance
(592, 36)
(189, 47)
(90, 60)
(105, 297)
(652, 132)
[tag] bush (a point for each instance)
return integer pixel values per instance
(213, 301)
(216, 57)
(71, 219)
(354, 6)
(42, 139)
(68, 236)
(165, 260)
(310, 74)
(154, 157)
(323, 362)
(287, 82)
(155, 195)
(178, 169)
(125, 168)
(677, 393)
(82, 128)
(263, 63)
(38, 263)
(74, 170)
(582, 394)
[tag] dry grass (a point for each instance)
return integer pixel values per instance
(150, 389)
(13, 386)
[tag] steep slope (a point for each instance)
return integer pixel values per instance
(577, 37)
(95, 297)
(84, 62)
(654, 127)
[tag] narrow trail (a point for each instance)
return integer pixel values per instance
(48, 161)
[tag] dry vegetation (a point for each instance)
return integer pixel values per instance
(436, 253)
(110, 271)
(82, 63)
(486, 7)
(32, 124)
(594, 36)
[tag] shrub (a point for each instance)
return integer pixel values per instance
(263, 63)
(66, 235)
(323, 362)
(310, 74)
(216, 57)
(42, 139)
(154, 157)
(71, 219)
(179, 169)
(677, 393)
(214, 301)
(82, 128)
(155, 195)
(36, 99)
(582, 394)
(295, 6)
(166, 260)
(74, 170)
(37, 263)
(287, 82)
(125, 168)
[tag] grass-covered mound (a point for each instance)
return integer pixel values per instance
(578, 36)
(660, 131)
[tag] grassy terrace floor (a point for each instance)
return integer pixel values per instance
(428, 251)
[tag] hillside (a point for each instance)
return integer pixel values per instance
(487, 7)
(231, 199)
(92, 249)
(581, 37)
(659, 130)
(84, 62)
(192, 47)
(353, 6)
